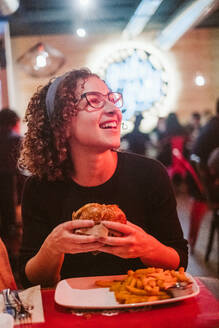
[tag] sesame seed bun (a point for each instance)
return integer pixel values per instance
(97, 213)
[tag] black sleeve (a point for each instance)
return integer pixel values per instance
(35, 225)
(164, 221)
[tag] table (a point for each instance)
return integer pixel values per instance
(201, 311)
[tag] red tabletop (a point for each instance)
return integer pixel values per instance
(201, 311)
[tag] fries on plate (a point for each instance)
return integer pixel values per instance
(144, 285)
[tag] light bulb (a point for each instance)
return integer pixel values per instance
(200, 80)
(81, 32)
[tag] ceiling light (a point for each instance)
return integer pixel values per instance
(41, 60)
(200, 80)
(81, 32)
(8, 7)
(84, 3)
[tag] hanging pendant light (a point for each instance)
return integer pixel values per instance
(41, 60)
(8, 7)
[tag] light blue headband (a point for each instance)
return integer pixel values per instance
(51, 94)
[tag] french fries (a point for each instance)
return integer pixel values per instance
(144, 285)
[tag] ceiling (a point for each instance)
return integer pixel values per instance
(43, 17)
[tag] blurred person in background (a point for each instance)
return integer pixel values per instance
(206, 116)
(136, 141)
(203, 157)
(213, 165)
(11, 185)
(11, 180)
(193, 129)
(208, 138)
(173, 143)
(160, 129)
(156, 135)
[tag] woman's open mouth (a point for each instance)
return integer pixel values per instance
(109, 125)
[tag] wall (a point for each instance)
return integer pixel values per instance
(196, 51)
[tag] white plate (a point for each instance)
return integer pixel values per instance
(81, 293)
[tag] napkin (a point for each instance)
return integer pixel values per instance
(6, 320)
(30, 297)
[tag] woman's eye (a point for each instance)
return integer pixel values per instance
(95, 100)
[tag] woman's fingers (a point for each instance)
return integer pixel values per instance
(117, 226)
(74, 224)
(84, 248)
(83, 239)
(114, 241)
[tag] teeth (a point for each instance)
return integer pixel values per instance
(108, 125)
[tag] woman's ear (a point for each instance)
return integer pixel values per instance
(70, 127)
(68, 131)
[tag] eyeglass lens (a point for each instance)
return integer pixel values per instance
(97, 100)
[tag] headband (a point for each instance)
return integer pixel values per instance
(51, 94)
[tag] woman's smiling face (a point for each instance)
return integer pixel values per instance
(97, 130)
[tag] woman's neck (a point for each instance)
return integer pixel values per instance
(94, 169)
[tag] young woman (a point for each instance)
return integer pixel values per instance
(70, 150)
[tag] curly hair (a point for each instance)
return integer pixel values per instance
(45, 152)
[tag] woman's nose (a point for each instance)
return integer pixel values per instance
(110, 107)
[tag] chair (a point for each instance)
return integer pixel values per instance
(6, 276)
(180, 165)
(214, 228)
(177, 167)
(213, 205)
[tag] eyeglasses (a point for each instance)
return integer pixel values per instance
(97, 100)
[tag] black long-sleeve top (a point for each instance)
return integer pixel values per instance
(140, 187)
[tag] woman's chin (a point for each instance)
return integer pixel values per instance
(106, 147)
(112, 143)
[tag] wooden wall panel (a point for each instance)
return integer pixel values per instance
(197, 52)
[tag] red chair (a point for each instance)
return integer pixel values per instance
(181, 166)
(199, 207)
(177, 167)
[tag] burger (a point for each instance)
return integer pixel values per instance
(97, 213)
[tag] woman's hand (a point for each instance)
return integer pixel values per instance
(137, 243)
(63, 239)
(45, 266)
